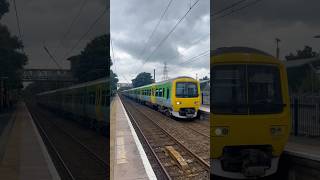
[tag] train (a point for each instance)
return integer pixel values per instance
(250, 112)
(179, 97)
(88, 103)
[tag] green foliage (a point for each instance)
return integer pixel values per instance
(307, 52)
(93, 62)
(142, 79)
(12, 59)
(113, 82)
(4, 7)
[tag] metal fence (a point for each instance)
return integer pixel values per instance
(305, 115)
(205, 97)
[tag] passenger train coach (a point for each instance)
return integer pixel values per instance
(178, 97)
(86, 102)
(250, 112)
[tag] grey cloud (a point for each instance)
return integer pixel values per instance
(47, 20)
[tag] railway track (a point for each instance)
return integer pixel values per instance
(193, 134)
(158, 138)
(68, 151)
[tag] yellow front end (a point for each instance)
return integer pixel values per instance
(235, 135)
(179, 104)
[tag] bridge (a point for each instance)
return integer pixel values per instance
(63, 75)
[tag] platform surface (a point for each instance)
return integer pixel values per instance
(24, 154)
(303, 146)
(129, 160)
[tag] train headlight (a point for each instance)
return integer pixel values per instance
(276, 130)
(178, 102)
(221, 131)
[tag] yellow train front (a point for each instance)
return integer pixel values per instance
(250, 112)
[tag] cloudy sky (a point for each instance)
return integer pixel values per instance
(295, 22)
(46, 21)
(132, 23)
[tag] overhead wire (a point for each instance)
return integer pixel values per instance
(87, 32)
(228, 7)
(237, 10)
(170, 32)
(156, 27)
(76, 17)
(18, 22)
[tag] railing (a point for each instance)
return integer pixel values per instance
(205, 98)
(305, 115)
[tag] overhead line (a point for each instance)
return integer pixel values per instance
(18, 21)
(228, 7)
(52, 57)
(155, 28)
(194, 58)
(86, 33)
(170, 32)
(239, 9)
(66, 33)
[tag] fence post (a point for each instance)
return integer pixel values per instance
(295, 116)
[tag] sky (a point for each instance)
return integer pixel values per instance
(132, 23)
(46, 22)
(294, 22)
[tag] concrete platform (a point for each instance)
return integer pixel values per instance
(205, 108)
(305, 147)
(128, 159)
(24, 154)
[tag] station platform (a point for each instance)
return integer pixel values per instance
(303, 146)
(128, 159)
(205, 108)
(23, 154)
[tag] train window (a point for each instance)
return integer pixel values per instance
(246, 89)
(168, 93)
(163, 91)
(229, 90)
(157, 92)
(160, 92)
(186, 90)
(264, 89)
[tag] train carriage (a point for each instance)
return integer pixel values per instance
(179, 97)
(250, 112)
(86, 102)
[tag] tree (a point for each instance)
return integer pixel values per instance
(93, 62)
(4, 7)
(12, 59)
(205, 78)
(307, 52)
(142, 79)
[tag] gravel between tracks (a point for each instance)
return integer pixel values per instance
(161, 132)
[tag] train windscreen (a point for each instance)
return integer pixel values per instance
(186, 90)
(246, 89)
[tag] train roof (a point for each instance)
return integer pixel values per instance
(162, 82)
(90, 83)
(238, 49)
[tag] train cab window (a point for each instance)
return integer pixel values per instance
(246, 89)
(186, 90)
(229, 90)
(264, 89)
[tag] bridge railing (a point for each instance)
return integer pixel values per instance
(305, 115)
